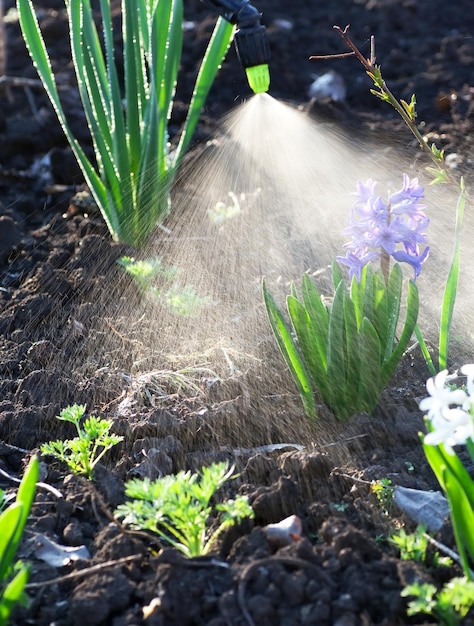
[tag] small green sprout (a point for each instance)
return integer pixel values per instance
(154, 279)
(146, 271)
(178, 508)
(448, 607)
(383, 491)
(223, 211)
(184, 300)
(82, 453)
(340, 507)
(414, 547)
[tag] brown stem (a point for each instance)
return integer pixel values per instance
(374, 72)
(385, 265)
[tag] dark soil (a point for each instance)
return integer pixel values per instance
(65, 339)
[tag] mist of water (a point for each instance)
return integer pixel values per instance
(290, 179)
(270, 196)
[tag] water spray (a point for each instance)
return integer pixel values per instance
(250, 40)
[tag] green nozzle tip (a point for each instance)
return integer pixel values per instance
(259, 78)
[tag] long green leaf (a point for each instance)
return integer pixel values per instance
(424, 351)
(357, 296)
(37, 50)
(368, 288)
(10, 521)
(13, 519)
(124, 155)
(336, 352)
(351, 334)
(319, 317)
(462, 518)
(12, 594)
(451, 287)
(369, 352)
(394, 297)
(411, 317)
(135, 38)
(164, 50)
(337, 276)
(381, 319)
(309, 341)
(216, 51)
(459, 489)
(437, 457)
(290, 353)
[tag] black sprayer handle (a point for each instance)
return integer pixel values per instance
(251, 37)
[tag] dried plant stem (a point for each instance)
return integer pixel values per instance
(406, 110)
(87, 571)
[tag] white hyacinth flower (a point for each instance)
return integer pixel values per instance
(451, 411)
(454, 428)
(441, 397)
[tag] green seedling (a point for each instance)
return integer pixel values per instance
(414, 547)
(448, 607)
(82, 453)
(178, 508)
(223, 211)
(14, 574)
(383, 491)
(340, 507)
(155, 282)
(145, 272)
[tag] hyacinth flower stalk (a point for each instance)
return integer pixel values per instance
(134, 167)
(449, 418)
(349, 351)
(407, 111)
(383, 230)
(396, 229)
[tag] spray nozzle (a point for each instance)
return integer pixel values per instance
(250, 40)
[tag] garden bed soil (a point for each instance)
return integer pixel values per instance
(71, 325)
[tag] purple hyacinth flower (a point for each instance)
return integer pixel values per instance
(356, 261)
(396, 227)
(415, 260)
